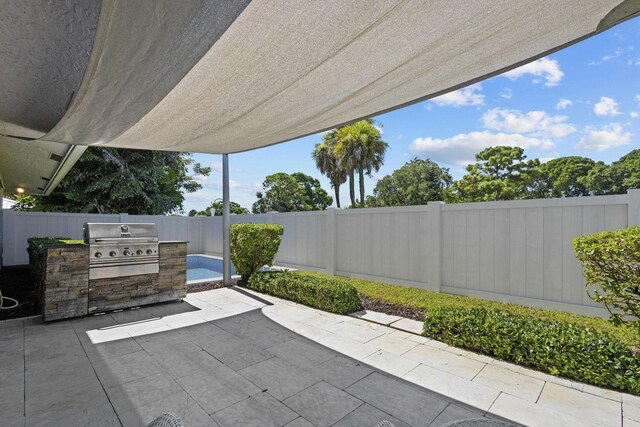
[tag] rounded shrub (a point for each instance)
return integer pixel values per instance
(253, 246)
(611, 261)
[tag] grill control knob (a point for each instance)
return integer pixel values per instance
(149, 251)
(139, 252)
(112, 253)
(125, 253)
(98, 254)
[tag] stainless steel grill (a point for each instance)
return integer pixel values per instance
(118, 250)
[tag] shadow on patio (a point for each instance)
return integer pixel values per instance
(214, 359)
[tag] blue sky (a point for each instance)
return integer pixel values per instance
(583, 100)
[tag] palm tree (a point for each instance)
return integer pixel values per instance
(329, 164)
(360, 148)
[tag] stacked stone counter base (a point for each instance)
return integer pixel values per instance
(68, 292)
(65, 285)
(124, 292)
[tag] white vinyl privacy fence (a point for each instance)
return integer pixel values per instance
(517, 251)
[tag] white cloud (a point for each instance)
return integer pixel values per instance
(546, 159)
(469, 95)
(606, 107)
(506, 94)
(563, 103)
(215, 183)
(217, 166)
(462, 148)
(608, 57)
(603, 138)
(544, 67)
(534, 123)
(637, 98)
(634, 114)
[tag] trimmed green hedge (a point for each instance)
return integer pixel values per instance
(579, 347)
(426, 300)
(559, 348)
(253, 246)
(326, 294)
(611, 261)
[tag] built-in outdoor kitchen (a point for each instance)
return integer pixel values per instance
(118, 266)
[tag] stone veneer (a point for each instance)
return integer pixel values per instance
(65, 281)
(114, 293)
(68, 292)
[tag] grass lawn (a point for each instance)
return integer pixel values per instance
(426, 300)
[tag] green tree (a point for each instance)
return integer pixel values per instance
(115, 180)
(561, 177)
(215, 209)
(360, 148)
(24, 202)
(283, 192)
(329, 164)
(617, 178)
(501, 173)
(415, 183)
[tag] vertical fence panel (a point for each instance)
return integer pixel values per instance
(501, 259)
(534, 248)
(487, 278)
(517, 252)
(593, 221)
(473, 249)
(448, 266)
(572, 288)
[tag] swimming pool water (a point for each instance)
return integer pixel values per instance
(203, 267)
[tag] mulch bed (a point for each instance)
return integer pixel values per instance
(207, 286)
(374, 304)
(16, 282)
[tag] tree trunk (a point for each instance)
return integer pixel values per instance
(352, 189)
(361, 176)
(336, 189)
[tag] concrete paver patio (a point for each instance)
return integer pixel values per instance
(233, 357)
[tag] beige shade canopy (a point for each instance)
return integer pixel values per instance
(220, 76)
(284, 69)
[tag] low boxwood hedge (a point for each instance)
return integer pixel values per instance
(422, 299)
(579, 347)
(556, 347)
(324, 293)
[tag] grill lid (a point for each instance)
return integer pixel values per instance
(94, 231)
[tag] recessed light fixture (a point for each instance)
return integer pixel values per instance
(19, 190)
